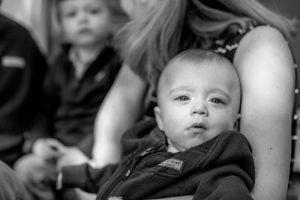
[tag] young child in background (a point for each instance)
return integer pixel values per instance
(191, 149)
(74, 89)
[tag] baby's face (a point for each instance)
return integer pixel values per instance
(197, 102)
(85, 23)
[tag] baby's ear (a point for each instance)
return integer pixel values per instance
(237, 122)
(158, 118)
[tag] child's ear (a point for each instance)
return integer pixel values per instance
(158, 118)
(237, 122)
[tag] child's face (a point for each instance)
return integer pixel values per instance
(85, 22)
(197, 102)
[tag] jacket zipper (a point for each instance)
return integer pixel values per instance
(126, 172)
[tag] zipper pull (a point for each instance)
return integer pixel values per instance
(144, 153)
(147, 151)
(127, 173)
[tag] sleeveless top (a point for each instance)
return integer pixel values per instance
(227, 47)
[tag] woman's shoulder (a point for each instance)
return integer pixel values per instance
(261, 36)
(264, 30)
(252, 37)
(265, 62)
(263, 42)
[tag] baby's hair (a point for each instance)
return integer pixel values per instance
(198, 56)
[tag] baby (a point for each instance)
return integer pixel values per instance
(190, 149)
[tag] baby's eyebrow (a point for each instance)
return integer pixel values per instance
(219, 91)
(181, 88)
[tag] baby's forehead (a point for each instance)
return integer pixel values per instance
(195, 66)
(186, 71)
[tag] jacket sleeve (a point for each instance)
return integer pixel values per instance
(227, 188)
(42, 125)
(37, 71)
(86, 177)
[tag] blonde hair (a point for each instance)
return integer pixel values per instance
(172, 26)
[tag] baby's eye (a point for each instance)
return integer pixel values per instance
(217, 101)
(95, 10)
(182, 98)
(70, 14)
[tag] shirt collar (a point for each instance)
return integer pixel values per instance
(80, 65)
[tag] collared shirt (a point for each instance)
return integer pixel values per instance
(71, 104)
(80, 65)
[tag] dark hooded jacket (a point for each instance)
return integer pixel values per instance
(22, 71)
(221, 168)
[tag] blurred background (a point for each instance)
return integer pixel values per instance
(35, 15)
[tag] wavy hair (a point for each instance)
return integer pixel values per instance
(171, 26)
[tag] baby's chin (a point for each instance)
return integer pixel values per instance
(189, 144)
(196, 140)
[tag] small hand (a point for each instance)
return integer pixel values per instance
(48, 148)
(38, 176)
(71, 156)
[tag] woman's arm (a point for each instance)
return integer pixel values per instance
(121, 108)
(265, 66)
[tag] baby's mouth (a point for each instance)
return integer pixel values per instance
(84, 31)
(197, 127)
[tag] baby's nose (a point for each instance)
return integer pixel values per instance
(200, 109)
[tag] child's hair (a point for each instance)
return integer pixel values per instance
(119, 17)
(175, 25)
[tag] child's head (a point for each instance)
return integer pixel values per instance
(89, 22)
(198, 97)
